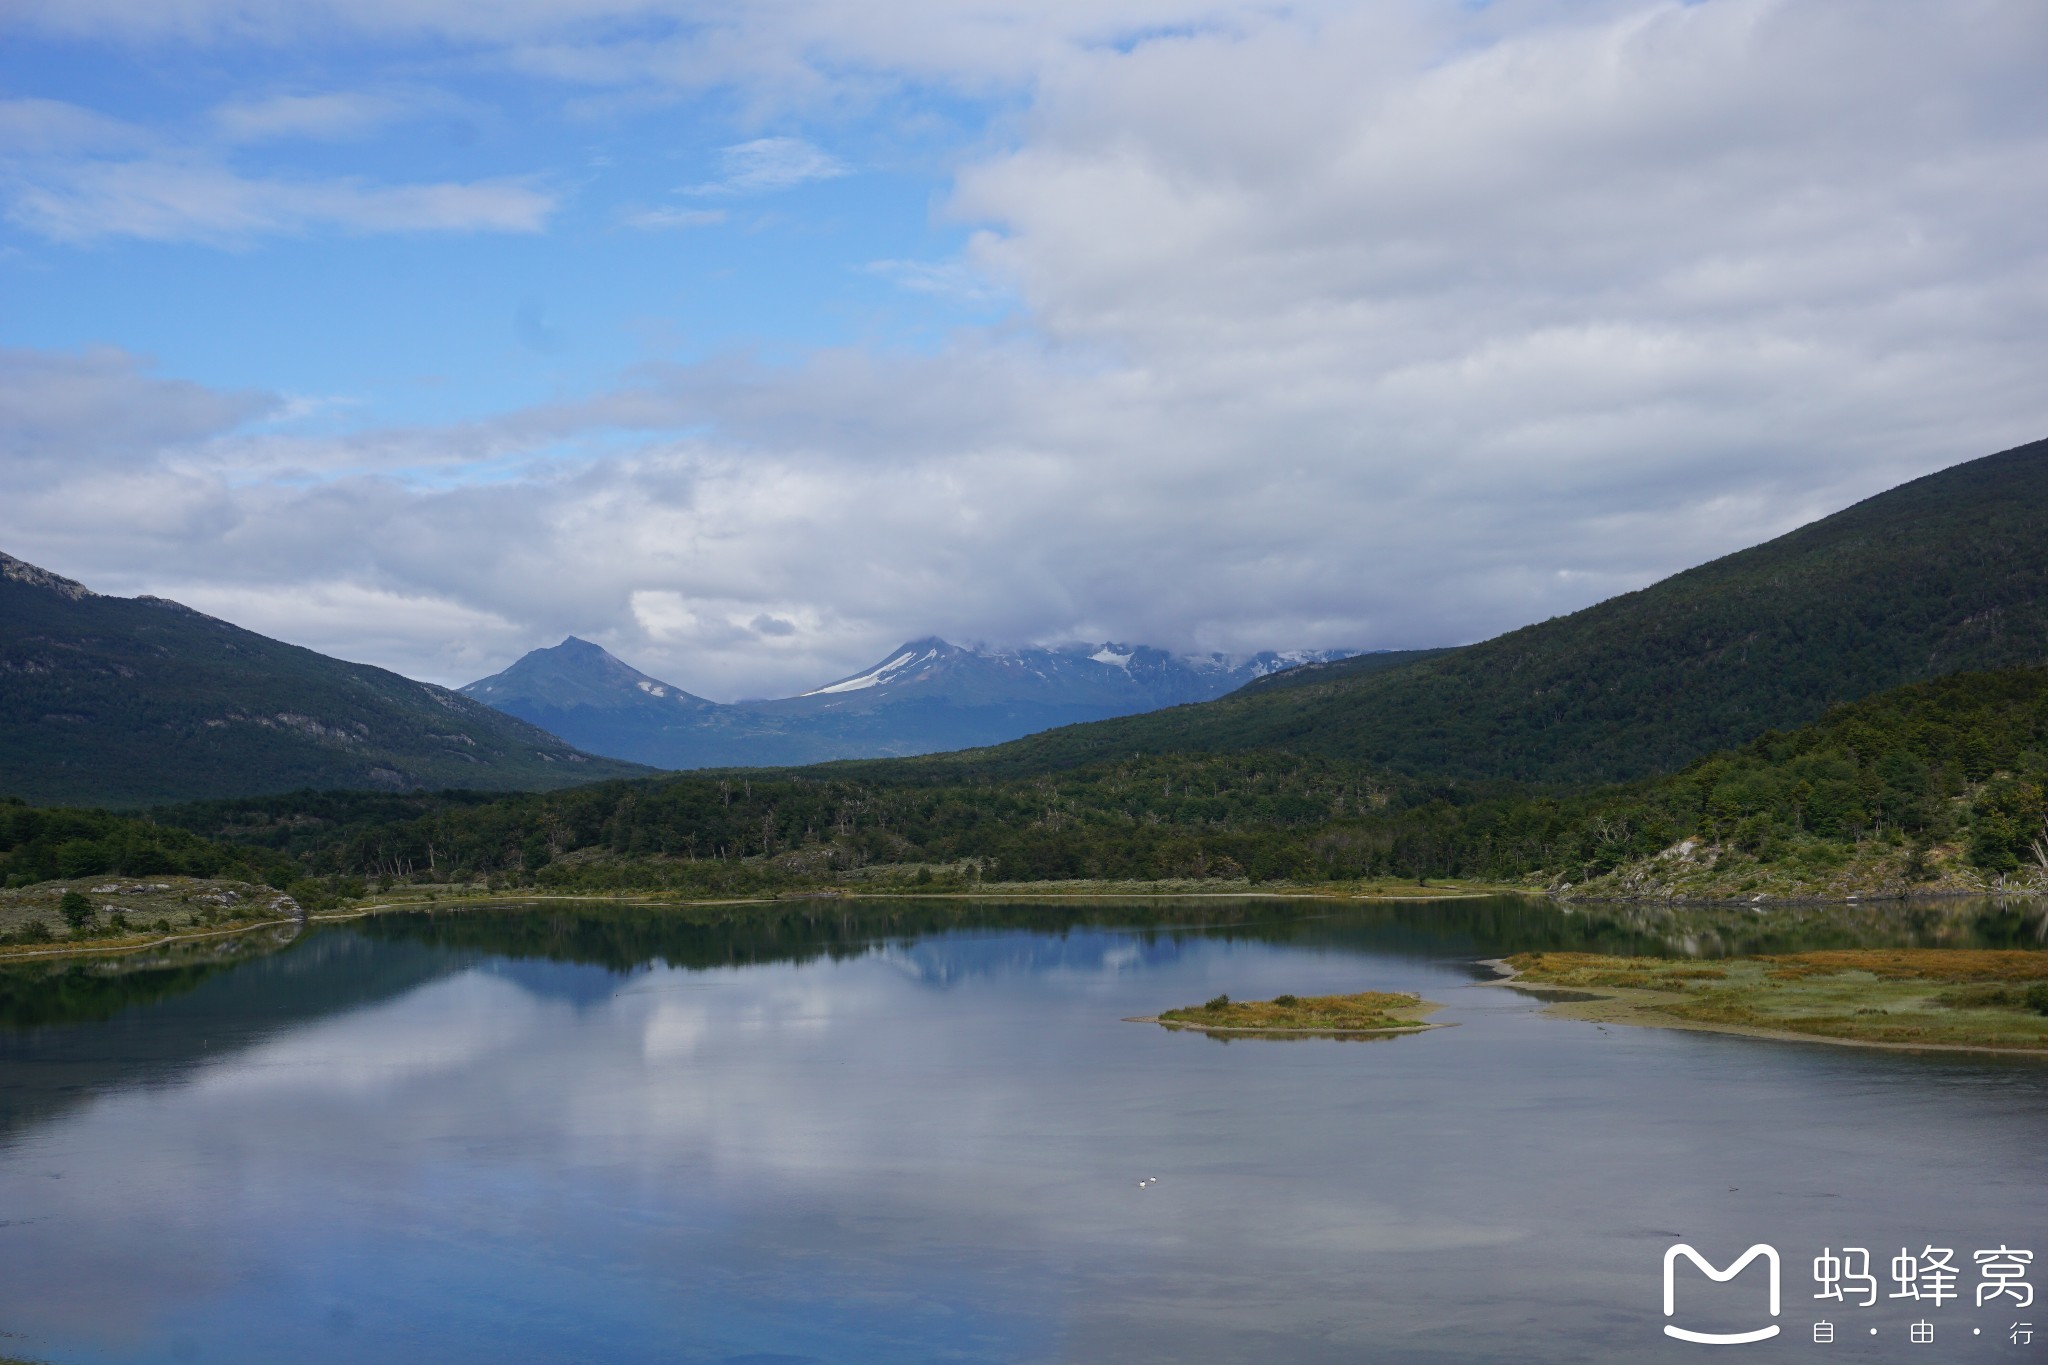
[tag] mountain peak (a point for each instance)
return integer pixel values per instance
(21, 571)
(925, 695)
(575, 674)
(110, 700)
(903, 661)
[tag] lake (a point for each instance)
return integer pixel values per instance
(917, 1131)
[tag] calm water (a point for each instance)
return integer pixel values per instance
(918, 1132)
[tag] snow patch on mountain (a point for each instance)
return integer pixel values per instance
(879, 676)
(926, 695)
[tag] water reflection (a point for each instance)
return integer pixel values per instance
(814, 1133)
(629, 936)
(622, 938)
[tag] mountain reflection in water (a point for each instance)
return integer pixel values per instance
(917, 1130)
(623, 937)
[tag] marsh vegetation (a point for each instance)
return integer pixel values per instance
(1914, 997)
(1364, 1012)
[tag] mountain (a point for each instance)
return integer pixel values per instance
(128, 701)
(1944, 574)
(923, 697)
(577, 689)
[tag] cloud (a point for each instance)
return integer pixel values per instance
(73, 175)
(947, 279)
(40, 127)
(655, 220)
(768, 164)
(172, 200)
(365, 623)
(816, 53)
(337, 114)
(1368, 326)
(104, 408)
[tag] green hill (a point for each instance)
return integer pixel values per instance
(128, 701)
(1940, 575)
(1933, 786)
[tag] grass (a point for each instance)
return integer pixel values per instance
(1366, 1012)
(130, 911)
(1901, 997)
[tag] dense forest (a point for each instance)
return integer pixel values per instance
(43, 844)
(1948, 772)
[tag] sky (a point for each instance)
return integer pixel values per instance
(751, 339)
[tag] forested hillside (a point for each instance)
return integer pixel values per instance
(127, 701)
(1937, 783)
(1944, 574)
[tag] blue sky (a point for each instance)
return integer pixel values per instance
(751, 339)
(666, 233)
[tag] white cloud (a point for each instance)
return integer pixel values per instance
(73, 175)
(1387, 326)
(664, 219)
(947, 279)
(64, 411)
(40, 127)
(363, 622)
(767, 164)
(332, 115)
(191, 200)
(798, 52)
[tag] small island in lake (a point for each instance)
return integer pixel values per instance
(1980, 999)
(1366, 1012)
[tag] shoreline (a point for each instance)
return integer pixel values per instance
(1641, 1009)
(1761, 902)
(91, 947)
(1018, 892)
(103, 947)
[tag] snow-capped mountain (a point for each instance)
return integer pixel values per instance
(578, 686)
(924, 697)
(1118, 676)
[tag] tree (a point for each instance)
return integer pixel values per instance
(77, 909)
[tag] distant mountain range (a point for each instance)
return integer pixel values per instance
(923, 697)
(1942, 575)
(131, 701)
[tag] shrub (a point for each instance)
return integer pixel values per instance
(2037, 997)
(1285, 1000)
(77, 909)
(1220, 1002)
(1983, 995)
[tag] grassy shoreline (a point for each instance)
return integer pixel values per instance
(189, 927)
(1915, 999)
